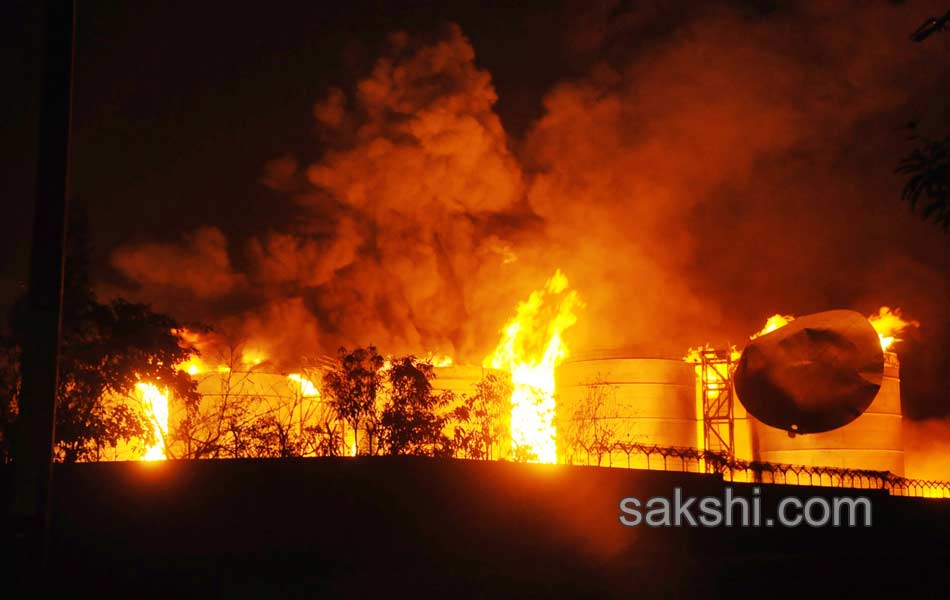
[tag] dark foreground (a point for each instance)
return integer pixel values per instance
(398, 527)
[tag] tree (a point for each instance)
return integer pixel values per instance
(209, 421)
(410, 422)
(589, 426)
(352, 388)
(243, 419)
(105, 350)
(928, 168)
(480, 419)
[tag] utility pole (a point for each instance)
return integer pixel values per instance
(30, 511)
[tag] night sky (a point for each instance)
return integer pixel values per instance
(781, 198)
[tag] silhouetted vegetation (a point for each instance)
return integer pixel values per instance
(106, 349)
(481, 420)
(367, 405)
(588, 430)
(412, 420)
(928, 186)
(352, 389)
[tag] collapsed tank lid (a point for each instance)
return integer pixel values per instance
(817, 373)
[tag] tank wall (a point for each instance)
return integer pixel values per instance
(631, 400)
(458, 379)
(873, 441)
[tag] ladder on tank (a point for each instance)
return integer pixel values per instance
(718, 422)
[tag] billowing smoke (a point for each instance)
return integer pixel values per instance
(411, 230)
(710, 169)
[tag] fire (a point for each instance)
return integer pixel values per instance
(192, 366)
(156, 406)
(889, 324)
(886, 322)
(253, 357)
(195, 366)
(531, 347)
(695, 355)
(440, 360)
(773, 323)
(306, 386)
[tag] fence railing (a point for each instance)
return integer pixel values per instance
(671, 458)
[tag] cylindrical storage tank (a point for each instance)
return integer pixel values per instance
(461, 380)
(608, 398)
(873, 441)
(458, 379)
(293, 401)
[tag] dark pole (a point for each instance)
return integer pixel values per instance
(31, 506)
(931, 26)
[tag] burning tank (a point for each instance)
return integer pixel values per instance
(818, 373)
(873, 441)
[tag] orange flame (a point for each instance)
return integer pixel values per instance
(253, 358)
(889, 324)
(439, 360)
(306, 386)
(192, 366)
(774, 322)
(531, 347)
(156, 407)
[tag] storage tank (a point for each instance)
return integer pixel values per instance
(610, 396)
(873, 441)
(458, 379)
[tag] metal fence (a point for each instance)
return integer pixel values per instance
(668, 458)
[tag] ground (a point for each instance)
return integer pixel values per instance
(427, 527)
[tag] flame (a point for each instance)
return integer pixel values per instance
(773, 323)
(531, 346)
(889, 324)
(192, 366)
(306, 386)
(440, 360)
(156, 406)
(195, 366)
(695, 355)
(253, 357)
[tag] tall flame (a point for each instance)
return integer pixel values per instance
(156, 407)
(531, 347)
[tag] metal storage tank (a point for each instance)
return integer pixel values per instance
(649, 401)
(291, 400)
(458, 379)
(461, 380)
(873, 441)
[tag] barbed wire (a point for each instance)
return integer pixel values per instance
(686, 459)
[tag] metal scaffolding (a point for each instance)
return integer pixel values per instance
(718, 398)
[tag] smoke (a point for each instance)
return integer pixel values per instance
(409, 228)
(720, 173)
(199, 266)
(708, 170)
(927, 449)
